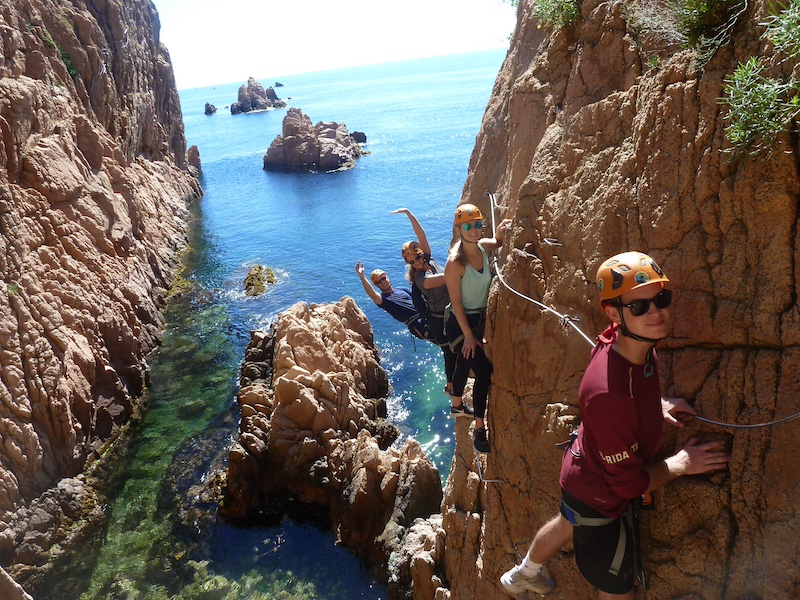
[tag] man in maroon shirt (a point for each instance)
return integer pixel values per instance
(611, 462)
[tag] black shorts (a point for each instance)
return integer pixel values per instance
(595, 547)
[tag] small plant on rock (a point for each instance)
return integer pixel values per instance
(556, 13)
(702, 25)
(760, 108)
(783, 28)
(700, 19)
(73, 72)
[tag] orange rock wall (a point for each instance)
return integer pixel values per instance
(93, 204)
(583, 142)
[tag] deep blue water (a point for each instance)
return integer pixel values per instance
(421, 118)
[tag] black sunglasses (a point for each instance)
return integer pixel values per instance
(640, 307)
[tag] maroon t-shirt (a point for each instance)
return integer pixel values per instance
(620, 430)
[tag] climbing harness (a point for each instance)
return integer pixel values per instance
(477, 329)
(629, 521)
(571, 321)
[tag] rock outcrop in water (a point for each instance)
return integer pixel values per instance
(326, 146)
(94, 185)
(588, 140)
(255, 97)
(313, 429)
(257, 279)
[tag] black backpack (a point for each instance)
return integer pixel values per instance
(418, 324)
(419, 300)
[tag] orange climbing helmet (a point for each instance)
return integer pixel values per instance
(627, 271)
(466, 213)
(411, 250)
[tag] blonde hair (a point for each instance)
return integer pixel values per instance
(457, 253)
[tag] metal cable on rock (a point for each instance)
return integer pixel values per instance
(563, 318)
(569, 320)
(754, 426)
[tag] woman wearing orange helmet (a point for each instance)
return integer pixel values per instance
(467, 275)
(427, 279)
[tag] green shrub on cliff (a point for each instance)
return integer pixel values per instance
(73, 72)
(783, 27)
(53, 45)
(701, 25)
(556, 13)
(761, 106)
(702, 19)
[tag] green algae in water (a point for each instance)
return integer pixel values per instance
(252, 586)
(145, 554)
(206, 586)
(142, 553)
(193, 378)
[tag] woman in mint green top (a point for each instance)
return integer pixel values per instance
(468, 277)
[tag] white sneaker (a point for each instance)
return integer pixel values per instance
(516, 583)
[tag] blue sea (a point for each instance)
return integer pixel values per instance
(421, 118)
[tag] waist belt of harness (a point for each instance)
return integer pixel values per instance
(574, 517)
(411, 319)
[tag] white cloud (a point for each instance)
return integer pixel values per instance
(215, 42)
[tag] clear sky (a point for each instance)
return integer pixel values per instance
(214, 42)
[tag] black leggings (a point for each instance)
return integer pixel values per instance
(436, 325)
(479, 364)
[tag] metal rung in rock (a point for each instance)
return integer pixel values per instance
(480, 471)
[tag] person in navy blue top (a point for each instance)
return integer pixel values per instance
(395, 301)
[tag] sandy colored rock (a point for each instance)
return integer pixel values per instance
(326, 146)
(94, 187)
(319, 436)
(584, 143)
(252, 97)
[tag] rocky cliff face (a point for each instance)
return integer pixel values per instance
(313, 430)
(93, 193)
(588, 140)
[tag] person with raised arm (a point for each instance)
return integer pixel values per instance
(395, 301)
(427, 278)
